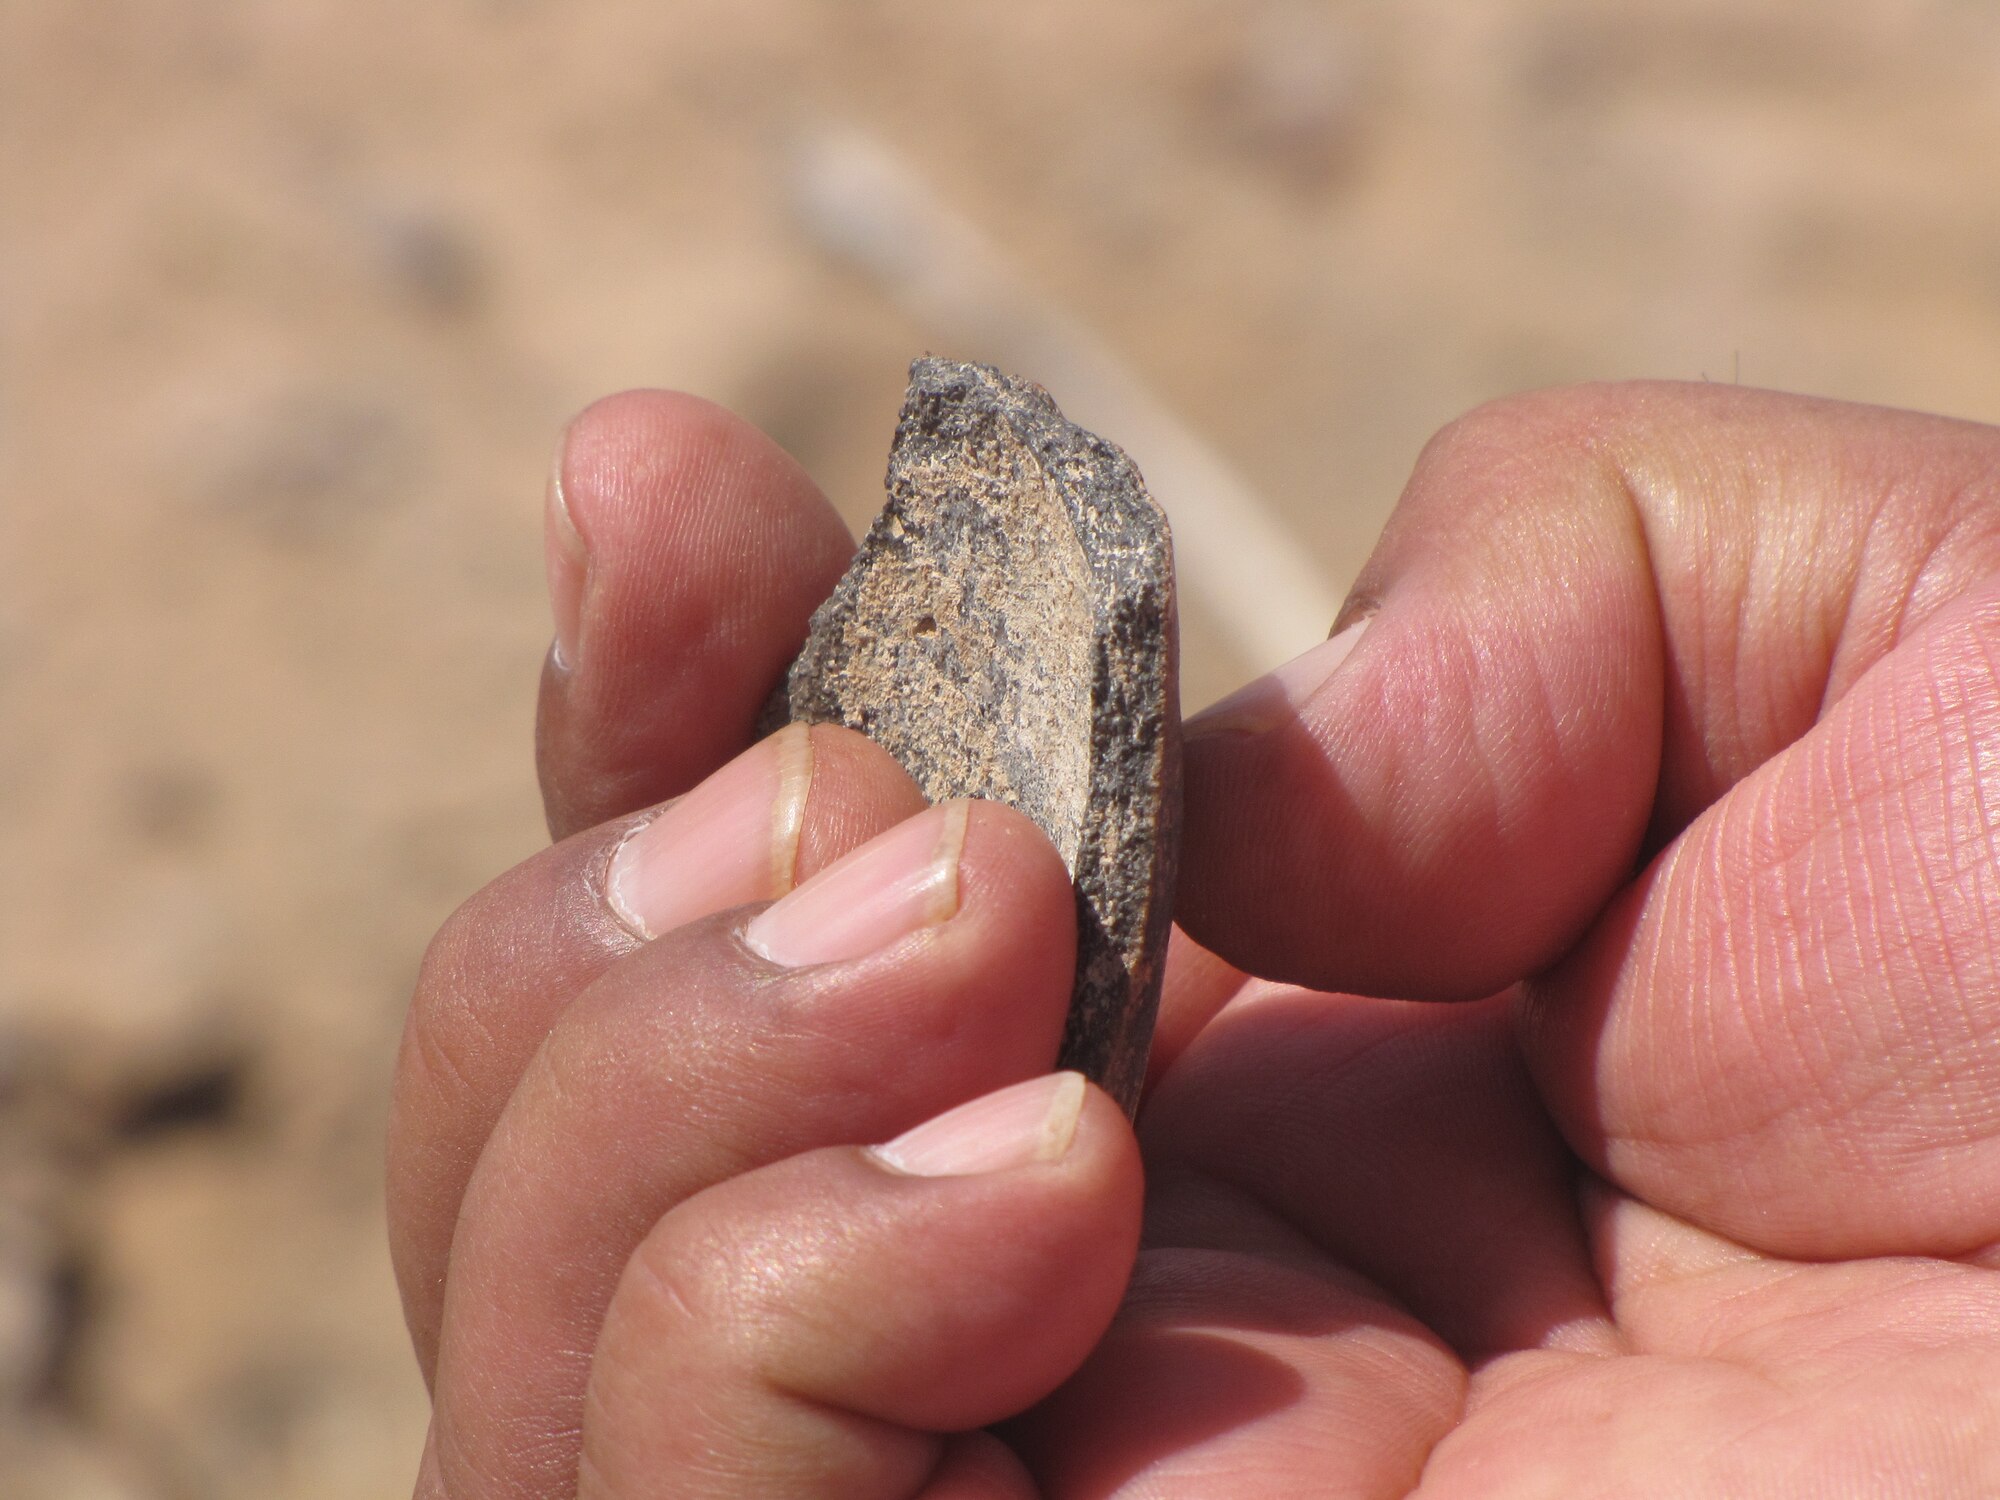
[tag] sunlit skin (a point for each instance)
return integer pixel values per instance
(1663, 780)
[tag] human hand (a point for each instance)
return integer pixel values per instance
(1709, 1207)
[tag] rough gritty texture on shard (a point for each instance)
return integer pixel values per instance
(1007, 631)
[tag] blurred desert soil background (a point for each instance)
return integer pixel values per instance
(295, 296)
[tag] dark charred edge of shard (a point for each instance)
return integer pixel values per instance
(1125, 874)
(1126, 861)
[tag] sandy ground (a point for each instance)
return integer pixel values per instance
(294, 297)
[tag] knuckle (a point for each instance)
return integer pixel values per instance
(685, 1282)
(1565, 420)
(444, 1030)
(1502, 466)
(751, 1283)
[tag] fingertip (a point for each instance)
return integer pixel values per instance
(646, 471)
(1018, 1237)
(1010, 868)
(830, 1314)
(687, 551)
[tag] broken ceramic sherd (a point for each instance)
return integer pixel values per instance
(1007, 631)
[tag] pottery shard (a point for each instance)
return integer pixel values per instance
(1007, 631)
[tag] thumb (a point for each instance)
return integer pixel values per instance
(1593, 611)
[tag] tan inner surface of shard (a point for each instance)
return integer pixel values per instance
(989, 638)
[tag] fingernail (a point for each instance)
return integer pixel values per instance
(568, 559)
(733, 839)
(1277, 697)
(1012, 1127)
(896, 883)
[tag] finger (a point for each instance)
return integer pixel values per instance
(1785, 1031)
(1237, 1376)
(1414, 1151)
(686, 553)
(510, 961)
(812, 1329)
(930, 966)
(1593, 612)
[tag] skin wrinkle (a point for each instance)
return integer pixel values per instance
(1742, 961)
(1985, 750)
(1313, 1236)
(1660, 1012)
(1981, 747)
(1793, 1024)
(1804, 565)
(1744, 1302)
(1900, 1145)
(1419, 836)
(1850, 600)
(432, 1065)
(1944, 904)
(1969, 529)
(1767, 977)
(1825, 862)
(1185, 1180)
(1632, 488)
(1861, 907)
(1559, 733)
(1817, 868)
(1964, 552)
(1831, 1384)
(1465, 1398)
(1887, 1306)
(1823, 1062)
(1935, 902)
(1938, 555)
(1663, 996)
(1703, 648)
(1541, 740)
(1727, 683)
(1721, 1443)
(1773, 607)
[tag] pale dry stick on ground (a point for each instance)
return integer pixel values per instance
(1236, 560)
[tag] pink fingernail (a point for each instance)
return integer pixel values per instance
(1013, 1127)
(568, 560)
(733, 839)
(1277, 697)
(898, 882)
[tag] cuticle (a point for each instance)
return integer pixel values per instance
(796, 766)
(1359, 607)
(948, 857)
